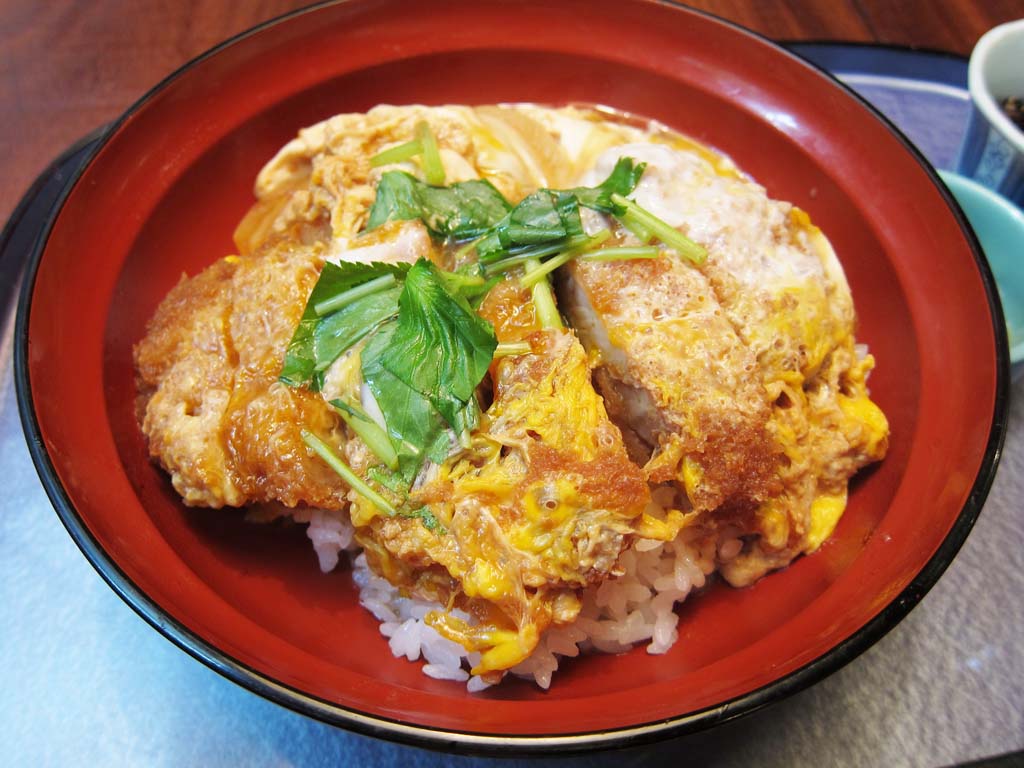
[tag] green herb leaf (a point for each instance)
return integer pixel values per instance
(417, 430)
(621, 181)
(427, 351)
(542, 217)
(339, 300)
(341, 330)
(461, 211)
(469, 283)
(441, 346)
(425, 516)
(551, 216)
(424, 369)
(388, 479)
(301, 363)
(475, 209)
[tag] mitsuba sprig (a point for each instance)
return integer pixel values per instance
(424, 349)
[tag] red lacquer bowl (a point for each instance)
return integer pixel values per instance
(165, 189)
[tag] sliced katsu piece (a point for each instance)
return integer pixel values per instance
(675, 374)
(754, 346)
(210, 403)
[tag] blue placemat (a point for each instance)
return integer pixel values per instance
(924, 93)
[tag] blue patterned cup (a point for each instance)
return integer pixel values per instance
(993, 149)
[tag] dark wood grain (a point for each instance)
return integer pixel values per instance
(948, 25)
(793, 19)
(67, 67)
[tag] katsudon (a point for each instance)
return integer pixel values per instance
(540, 372)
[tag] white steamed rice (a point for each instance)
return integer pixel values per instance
(616, 615)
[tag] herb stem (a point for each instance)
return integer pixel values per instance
(531, 277)
(397, 154)
(370, 432)
(455, 280)
(500, 267)
(518, 255)
(335, 303)
(325, 452)
(623, 253)
(670, 236)
(639, 230)
(433, 168)
(521, 256)
(512, 348)
(544, 300)
(465, 248)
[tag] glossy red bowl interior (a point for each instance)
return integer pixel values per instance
(164, 192)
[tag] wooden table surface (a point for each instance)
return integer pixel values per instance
(67, 67)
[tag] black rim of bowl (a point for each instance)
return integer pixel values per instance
(474, 742)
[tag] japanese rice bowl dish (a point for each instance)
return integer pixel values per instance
(539, 373)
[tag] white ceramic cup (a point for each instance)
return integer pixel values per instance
(992, 152)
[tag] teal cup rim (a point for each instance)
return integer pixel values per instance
(961, 186)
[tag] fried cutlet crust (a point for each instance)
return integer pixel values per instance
(215, 415)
